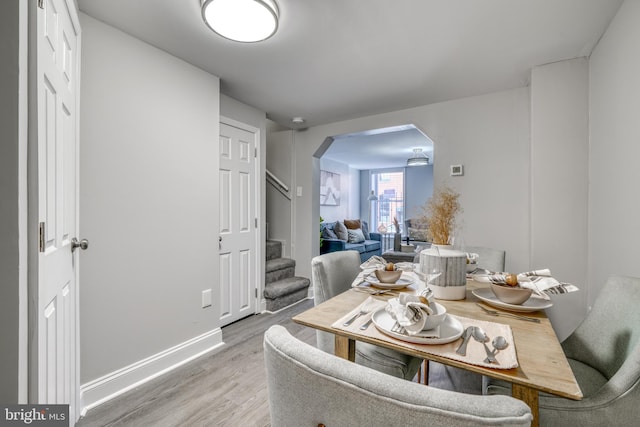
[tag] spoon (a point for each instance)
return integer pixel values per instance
(499, 343)
(481, 336)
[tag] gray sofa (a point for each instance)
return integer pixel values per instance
(333, 240)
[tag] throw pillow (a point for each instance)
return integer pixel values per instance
(327, 233)
(352, 224)
(365, 230)
(341, 231)
(355, 236)
(419, 234)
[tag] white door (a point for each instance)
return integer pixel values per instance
(238, 222)
(58, 49)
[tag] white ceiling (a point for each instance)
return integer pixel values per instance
(333, 60)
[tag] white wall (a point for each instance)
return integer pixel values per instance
(614, 175)
(559, 182)
(279, 160)
(418, 189)
(148, 193)
(353, 187)
(488, 134)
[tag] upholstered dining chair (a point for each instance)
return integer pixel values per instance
(489, 258)
(604, 354)
(307, 386)
(332, 274)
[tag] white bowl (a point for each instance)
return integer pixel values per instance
(438, 316)
(385, 276)
(511, 294)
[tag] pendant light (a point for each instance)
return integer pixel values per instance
(418, 159)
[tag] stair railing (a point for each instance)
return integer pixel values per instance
(278, 184)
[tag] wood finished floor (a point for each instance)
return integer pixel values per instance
(225, 388)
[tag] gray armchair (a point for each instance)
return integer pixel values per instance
(416, 230)
(308, 387)
(604, 354)
(332, 274)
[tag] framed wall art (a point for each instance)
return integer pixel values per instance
(329, 188)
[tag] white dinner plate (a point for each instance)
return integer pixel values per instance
(402, 282)
(450, 329)
(530, 305)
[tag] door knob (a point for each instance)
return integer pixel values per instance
(82, 244)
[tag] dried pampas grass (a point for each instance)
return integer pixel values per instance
(440, 214)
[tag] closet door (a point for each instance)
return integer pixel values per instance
(238, 223)
(55, 330)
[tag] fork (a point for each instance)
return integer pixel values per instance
(364, 309)
(371, 291)
(515, 316)
(397, 328)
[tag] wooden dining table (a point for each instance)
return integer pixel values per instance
(543, 366)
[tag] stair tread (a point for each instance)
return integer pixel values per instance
(287, 280)
(273, 249)
(285, 286)
(279, 264)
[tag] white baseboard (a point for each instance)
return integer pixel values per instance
(284, 308)
(111, 385)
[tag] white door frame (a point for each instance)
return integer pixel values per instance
(260, 302)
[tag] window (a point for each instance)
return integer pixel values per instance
(388, 186)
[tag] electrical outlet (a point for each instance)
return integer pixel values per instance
(206, 298)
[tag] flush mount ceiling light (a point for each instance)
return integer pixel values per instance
(244, 21)
(418, 159)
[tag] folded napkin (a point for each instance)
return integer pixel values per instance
(377, 262)
(479, 271)
(411, 313)
(373, 263)
(540, 281)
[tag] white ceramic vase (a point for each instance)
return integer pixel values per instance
(452, 265)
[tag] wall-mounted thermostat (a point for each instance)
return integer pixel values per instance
(457, 170)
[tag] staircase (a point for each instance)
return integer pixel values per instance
(282, 287)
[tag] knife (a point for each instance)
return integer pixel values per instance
(466, 335)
